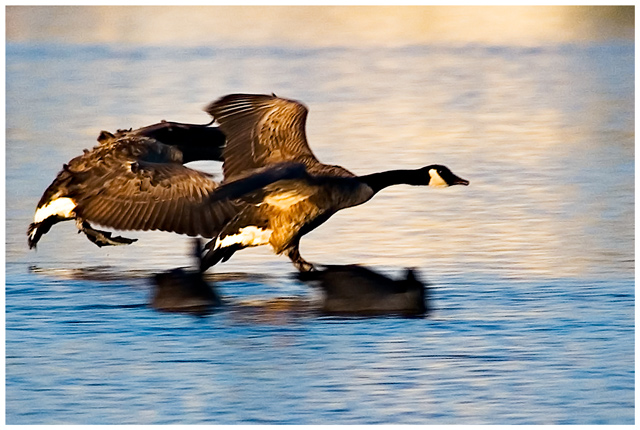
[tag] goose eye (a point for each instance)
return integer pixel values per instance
(435, 180)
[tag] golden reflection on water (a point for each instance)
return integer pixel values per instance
(320, 25)
(545, 135)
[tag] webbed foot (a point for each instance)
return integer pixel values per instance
(101, 238)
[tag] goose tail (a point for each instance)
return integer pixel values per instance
(213, 256)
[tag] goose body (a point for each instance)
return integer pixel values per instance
(274, 189)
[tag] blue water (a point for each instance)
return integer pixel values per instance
(507, 352)
(531, 267)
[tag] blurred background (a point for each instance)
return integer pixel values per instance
(320, 26)
(531, 266)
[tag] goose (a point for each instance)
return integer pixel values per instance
(286, 191)
(134, 180)
(274, 189)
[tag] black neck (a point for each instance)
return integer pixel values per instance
(379, 181)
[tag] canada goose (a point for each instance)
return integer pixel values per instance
(274, 189)
(357, 290)
(135, 180)
(287, 191)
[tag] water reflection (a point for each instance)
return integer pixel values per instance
(345, 290)
(178, 290)
(358, 290)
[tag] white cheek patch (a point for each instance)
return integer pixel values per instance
(284, 200)
(436, 179)
(246, 236)
(62, 207)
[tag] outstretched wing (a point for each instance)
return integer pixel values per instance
(261, 130)
(122, 190)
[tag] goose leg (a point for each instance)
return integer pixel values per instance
(99, 237)
(301, 264)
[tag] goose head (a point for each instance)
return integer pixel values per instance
(440, 176)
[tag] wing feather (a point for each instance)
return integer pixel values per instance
(140, 195)
(136, 215)
(174, 213)
(261, 130)
(158, 215)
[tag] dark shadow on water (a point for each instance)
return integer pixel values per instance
(335, 290)
(359, 291)
(347, 290)
(179, 290)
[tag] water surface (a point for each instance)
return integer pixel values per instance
(531, 266)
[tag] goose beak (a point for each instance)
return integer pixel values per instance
(459, 181)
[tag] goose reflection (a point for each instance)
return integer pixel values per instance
(359, 291)
(347, 290)
(180, 290)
